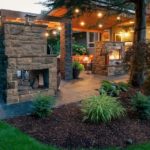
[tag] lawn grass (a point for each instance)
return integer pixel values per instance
(145, 146)
(13, 139)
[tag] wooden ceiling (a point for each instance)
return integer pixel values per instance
(91, 21)
(94, 23)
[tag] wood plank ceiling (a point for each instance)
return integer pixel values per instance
(90, 21)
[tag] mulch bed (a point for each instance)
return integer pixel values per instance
(64, 128)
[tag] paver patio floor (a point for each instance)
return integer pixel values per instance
(87, 85)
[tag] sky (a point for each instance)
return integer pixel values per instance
(22, 5)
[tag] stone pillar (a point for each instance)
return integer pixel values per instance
(66, 51)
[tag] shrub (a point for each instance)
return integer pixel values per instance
(141, 104)
(79, 49)
(102, 108)
(78, 66)
(42, 106)
(54, 43)
(132, 51)
(113, 89)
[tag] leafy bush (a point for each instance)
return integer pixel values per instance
(54, 42)
(102, 108)
(141, 104)
(113, 89)
(79, 49)
(137, 57)
(42, 106)
(132, 51)
(78, 66)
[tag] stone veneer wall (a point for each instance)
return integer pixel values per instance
(103, 66)
(99, 62)
(26, 49)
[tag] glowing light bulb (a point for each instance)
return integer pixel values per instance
(77, 10)
(99, 14)
(118, 18)
(46, 34)
(82, 23)
(54, 32)
(59, 28)
(100, 25)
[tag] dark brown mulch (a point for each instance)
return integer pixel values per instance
(64, 128)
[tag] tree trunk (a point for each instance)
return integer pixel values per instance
(137, 66)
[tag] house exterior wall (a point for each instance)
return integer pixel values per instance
(80, 38)
(26, 49)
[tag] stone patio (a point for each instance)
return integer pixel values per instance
(87, 85)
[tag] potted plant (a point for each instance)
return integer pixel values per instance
(77, 68)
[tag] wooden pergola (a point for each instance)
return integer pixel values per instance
(95, 21)
(86, 22)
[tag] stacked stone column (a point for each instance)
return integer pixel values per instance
(66, 51)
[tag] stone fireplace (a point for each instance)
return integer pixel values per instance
(32, 80)
(108, 58)
(29, 70)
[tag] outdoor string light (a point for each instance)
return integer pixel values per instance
(77, 10)
(82, 23)
(46, 34)
(59, 28)
(100, 25)
(54, 32)
(118, 18)
(99, 14)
